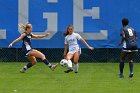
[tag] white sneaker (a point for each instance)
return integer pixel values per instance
(53, 67)
(22, 70)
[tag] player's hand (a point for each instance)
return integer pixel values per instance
(10, 45)
(120, 44)
(64, 55)
(91, 48)
(47, 34)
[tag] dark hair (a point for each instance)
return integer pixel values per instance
(67, 32)
(125, 21)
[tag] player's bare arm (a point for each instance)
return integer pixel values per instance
(65, 50)
(40, 36)
(84, 42)
(122, 40)
(17, 40)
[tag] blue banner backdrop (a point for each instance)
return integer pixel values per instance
(97, 21)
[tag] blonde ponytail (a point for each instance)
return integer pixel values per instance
(24, 27)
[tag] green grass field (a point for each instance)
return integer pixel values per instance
(92, 78)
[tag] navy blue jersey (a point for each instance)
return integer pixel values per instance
(26, 44)
(130, 36)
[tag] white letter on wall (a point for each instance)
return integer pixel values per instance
(2, 34)
(79, 14)
(23, 14)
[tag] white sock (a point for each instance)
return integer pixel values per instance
(76, 67)
(25, 67)
(49, 65)
(69, 64)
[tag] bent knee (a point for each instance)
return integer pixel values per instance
(43, 57)
(33, 63)
(75, 62)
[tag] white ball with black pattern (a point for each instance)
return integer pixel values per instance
(63, 62)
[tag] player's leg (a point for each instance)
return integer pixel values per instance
(130, 59)
(40, 55)
(69, 57)
(69, 63)
(76, 58)
(121, 64)
(32, 62)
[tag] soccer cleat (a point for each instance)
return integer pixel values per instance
(130, 75)
(69, 70)
(121, 76)
(22, 70)
(53, 67)
(75, 72)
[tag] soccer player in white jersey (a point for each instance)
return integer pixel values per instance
(74, 49)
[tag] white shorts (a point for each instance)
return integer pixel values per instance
(74, 50)
(125, 50)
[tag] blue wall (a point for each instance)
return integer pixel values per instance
(110, 14)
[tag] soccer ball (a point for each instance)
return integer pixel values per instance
(63, 62)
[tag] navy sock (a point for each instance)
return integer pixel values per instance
(121, 66)
(47, 62)
(131, 67)
(28, 66)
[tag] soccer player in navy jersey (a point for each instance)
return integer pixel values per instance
(129, 41)
(30, 53)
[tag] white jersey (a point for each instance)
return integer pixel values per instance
(71, 40)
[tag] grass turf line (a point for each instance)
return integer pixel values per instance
(92, 78)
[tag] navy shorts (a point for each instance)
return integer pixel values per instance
(129, 50)
(26, 52)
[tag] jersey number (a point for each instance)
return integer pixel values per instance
(130, 32)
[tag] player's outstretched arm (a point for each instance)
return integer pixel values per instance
(84, 42)
(16, 40)
(136, 34)
(40, 36)
(122, 40)
(65, 50)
